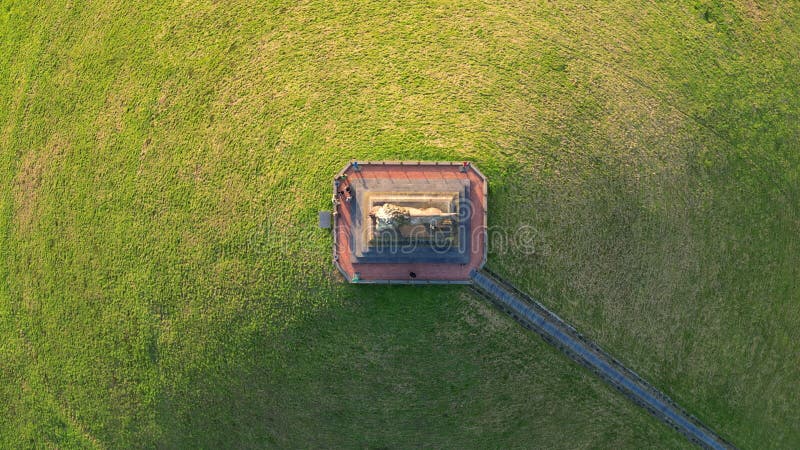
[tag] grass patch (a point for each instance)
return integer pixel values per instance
(162, 282)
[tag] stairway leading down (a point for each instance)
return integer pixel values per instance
(535, 317)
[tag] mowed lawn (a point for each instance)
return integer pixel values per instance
(163, 282)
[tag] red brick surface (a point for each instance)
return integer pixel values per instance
(424, 271)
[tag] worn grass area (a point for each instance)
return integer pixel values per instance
(162, 282)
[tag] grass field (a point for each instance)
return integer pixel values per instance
(163, 283)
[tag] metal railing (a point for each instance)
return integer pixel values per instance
(535, 317)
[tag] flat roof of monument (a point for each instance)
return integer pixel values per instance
(433, 193)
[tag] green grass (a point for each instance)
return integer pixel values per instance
(162, 282)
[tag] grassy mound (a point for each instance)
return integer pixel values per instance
(162, 281)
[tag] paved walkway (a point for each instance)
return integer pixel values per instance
(536, 317)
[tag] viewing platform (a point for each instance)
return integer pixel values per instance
(409, 222)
